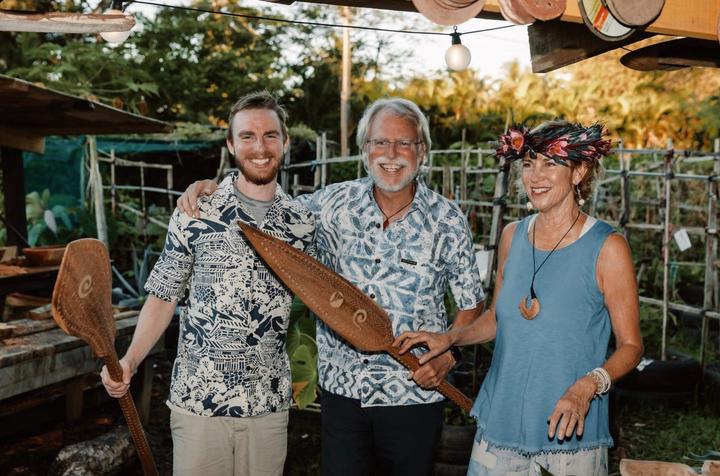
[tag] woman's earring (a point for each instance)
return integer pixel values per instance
(578, 197)
(529, 205)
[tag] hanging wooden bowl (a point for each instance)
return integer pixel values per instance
(674, 54)
(513, 12)
(635, 12)
(543, 9)
(44, 255)
(601, 22)
(449, 12)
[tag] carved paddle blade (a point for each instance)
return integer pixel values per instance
(81, 302)
(345, 309)
(82, 306)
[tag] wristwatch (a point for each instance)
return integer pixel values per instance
(456, 353)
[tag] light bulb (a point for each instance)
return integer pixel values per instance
(457, 57)
(114, 38)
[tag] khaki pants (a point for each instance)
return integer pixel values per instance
(229, 446)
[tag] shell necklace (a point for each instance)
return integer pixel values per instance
(530, 312)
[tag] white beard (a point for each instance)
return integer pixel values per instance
(377, 178)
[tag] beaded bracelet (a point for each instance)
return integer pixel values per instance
(602, 380)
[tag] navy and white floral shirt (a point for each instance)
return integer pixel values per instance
(406, 268)
(231, 357)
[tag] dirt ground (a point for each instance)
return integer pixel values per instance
(31, 451)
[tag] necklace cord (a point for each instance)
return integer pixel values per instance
(387, 218)
(536, 271)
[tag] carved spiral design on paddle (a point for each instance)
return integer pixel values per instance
(359, 317)
(86, 286)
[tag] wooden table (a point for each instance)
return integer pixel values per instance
(40, 354)
(37, 279)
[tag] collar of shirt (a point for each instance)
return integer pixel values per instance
(227, 192)
(421, 202)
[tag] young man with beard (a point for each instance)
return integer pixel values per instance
(230, 390)
(403, 245)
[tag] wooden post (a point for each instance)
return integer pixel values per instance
(113, 202)
(285, 172)
(142, 188)
(318, 166)
(74, 399)
(431, 156)
(499, 204)
(464, 157)
(624, 190)
(711, 252)
(171, 203)
(324, 167)
(296, 185)
(97, 191)
(142, 388)
(666, 248)
(446, 189)
(224, 157)
(345, 85)
(14, 192)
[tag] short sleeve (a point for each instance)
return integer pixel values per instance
(464, 280)
(172, 271)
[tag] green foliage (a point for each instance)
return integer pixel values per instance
(302, 350)
(87, 68)
(216, 59)
(650, 432)
(54, 219)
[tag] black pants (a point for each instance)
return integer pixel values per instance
(378, 441)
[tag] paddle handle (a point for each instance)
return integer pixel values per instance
(446, 388)
(133, 419)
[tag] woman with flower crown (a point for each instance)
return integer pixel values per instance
(565, 280)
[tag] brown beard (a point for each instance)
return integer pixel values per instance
(259, 179)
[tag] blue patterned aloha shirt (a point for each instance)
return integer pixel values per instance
(231, 358)
(406, 268)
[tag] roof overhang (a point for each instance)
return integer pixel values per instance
(29, 112)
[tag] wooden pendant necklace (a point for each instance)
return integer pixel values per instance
(388, 217)
(530, 312)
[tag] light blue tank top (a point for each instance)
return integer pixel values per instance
(534, 362)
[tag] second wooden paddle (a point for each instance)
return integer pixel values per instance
(82, 307)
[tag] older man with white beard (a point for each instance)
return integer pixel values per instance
(403, 245)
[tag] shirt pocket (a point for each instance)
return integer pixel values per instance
(222, 275)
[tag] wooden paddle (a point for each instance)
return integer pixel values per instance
(82, 307)
(343, 307)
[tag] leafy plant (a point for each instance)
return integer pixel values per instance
(52, 219)
(302, 350)
(132, 296)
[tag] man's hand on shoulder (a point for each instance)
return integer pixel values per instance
(188, 201)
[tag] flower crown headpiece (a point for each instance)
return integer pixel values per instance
(559, 141)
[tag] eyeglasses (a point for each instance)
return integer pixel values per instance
(385, 144)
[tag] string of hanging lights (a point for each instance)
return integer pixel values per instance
(457, 56)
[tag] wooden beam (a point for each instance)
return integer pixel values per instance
(62, 22)
(21, 140)
(13, 183)
(555, 44)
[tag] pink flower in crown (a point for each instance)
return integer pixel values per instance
(517, 140)
(557, 148)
